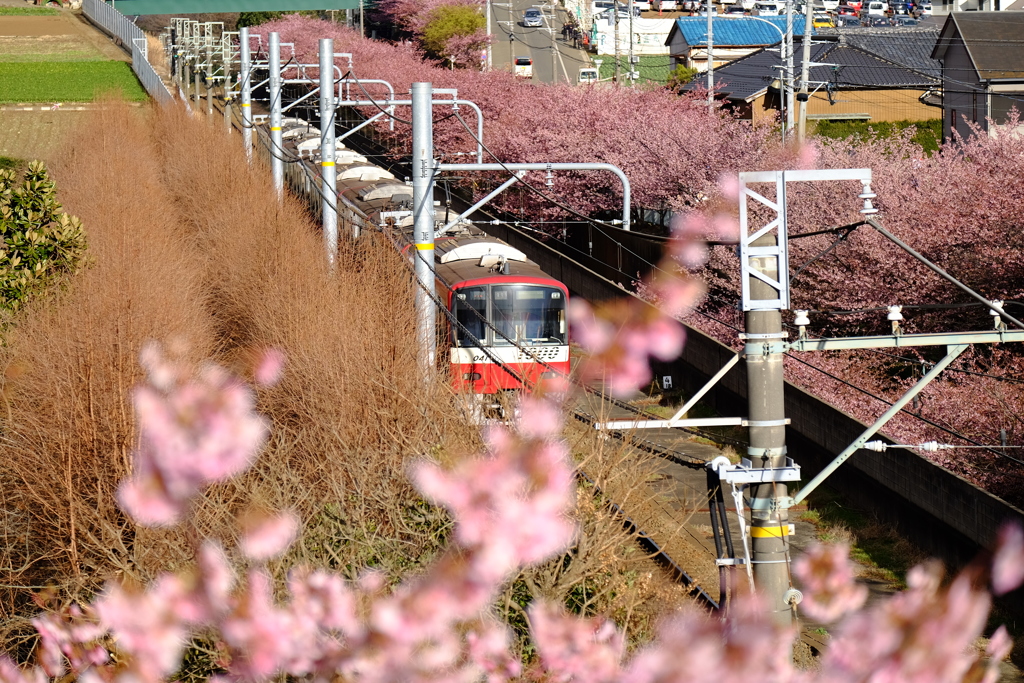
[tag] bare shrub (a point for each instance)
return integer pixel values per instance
(69, 365)
(188, 243)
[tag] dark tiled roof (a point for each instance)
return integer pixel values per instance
(992, 40)
(849, 67)
(734, 31)
(907, 47)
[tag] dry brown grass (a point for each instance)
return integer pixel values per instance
(189, 246)
(69, 366)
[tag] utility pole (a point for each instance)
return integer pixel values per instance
(245, 72)
(490, 56)
(362, 29)
(615, 13)
(711, 59)
(629, 7)
(805, 69)
(788, 80)
(276, 136)
(769, 522)
(328, 171)
(423, 221)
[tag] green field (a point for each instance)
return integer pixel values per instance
(651, 67)
(27, 11)
(66, 81)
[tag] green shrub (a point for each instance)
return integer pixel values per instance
(41, 243)
(447, 22)
(680, 76)
(928, 134)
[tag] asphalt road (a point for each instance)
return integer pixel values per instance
(554, 60)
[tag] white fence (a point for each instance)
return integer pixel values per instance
(131, 37)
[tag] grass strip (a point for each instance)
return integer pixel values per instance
(28, 11)
(67, 81)
(48, 49)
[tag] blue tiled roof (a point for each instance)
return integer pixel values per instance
(737, 30)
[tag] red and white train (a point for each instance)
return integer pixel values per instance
(511, 314)
(508, 312)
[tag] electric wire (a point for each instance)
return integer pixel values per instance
(919, 417)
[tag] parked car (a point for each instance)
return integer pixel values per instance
(533, 17)
(875, 22)
(924, 9)
(905, 21)
(876, 8)
(643, 5)
(822, 21)
(766, 8)
(846, 11)
(665, 5)
(736, 10)
(524, 67)
(588, 74)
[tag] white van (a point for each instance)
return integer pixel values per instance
(877, 8)
(767, 8)
(830, 5)
(524, 67)
(588, 74)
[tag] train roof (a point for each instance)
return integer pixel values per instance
(471, 254)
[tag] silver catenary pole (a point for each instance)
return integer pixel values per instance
(276, 137)
(423, 220)
(328, 171)
(245, 69)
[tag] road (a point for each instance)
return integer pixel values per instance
(554, 60)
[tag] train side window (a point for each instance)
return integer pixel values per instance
(470, 305)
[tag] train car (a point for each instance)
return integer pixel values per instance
(508, 311)
(510, 331)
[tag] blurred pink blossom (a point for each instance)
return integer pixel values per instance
(826, 573)
(269, 367)
(193, 432)
(268, 537)
(574, 649)
(1008, 563)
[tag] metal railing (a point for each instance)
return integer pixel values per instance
(131, 38)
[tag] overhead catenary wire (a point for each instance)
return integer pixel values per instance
(952, 432)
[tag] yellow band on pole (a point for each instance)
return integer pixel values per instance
(246, 104)
(327, 163)
(425, 247)
(769, 531)
(275, 128)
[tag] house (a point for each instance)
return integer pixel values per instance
(982, 69)
(644, 36)
(847, 80)
(732, 38)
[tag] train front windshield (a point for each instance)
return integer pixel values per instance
(525, 314)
